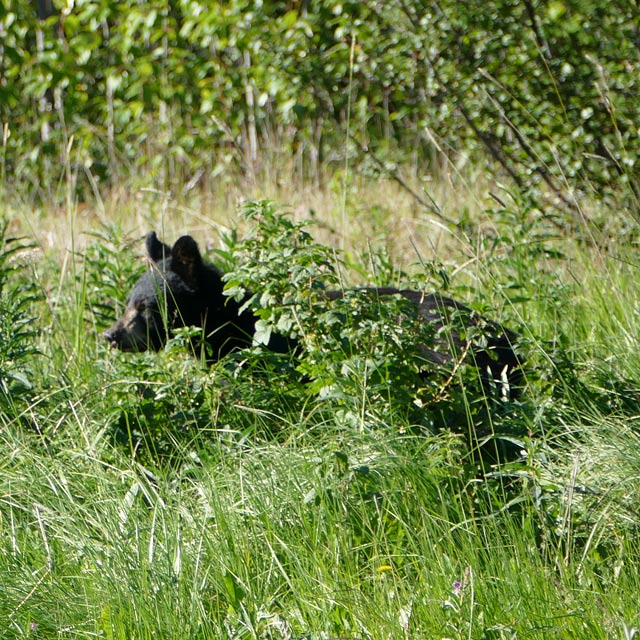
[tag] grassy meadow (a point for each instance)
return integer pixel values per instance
(148, 496)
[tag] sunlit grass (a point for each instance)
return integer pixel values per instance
(247, 510)
(379, 213)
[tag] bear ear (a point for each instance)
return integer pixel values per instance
(186, 260)
(156, 250)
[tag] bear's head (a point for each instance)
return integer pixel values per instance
(169, 295)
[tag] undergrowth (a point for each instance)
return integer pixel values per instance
(335, 491)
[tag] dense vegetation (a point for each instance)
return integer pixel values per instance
(182, 90)
(488, 150)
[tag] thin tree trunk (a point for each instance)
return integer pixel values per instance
(252, 135)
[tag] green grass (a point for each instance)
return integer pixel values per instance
(144, 496)
(298, 539)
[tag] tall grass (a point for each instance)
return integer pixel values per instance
(298, 539)
(144, 496)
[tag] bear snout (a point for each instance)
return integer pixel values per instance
(113, 336)
(119, 338)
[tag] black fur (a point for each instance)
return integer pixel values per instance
(190, 292)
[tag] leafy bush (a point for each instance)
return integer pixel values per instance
(358, 361)
(545, 91)
(360, 357)
(17, 323)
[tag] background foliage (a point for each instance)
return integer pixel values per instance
(545, 90)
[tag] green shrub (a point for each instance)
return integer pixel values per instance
(360, 358)
(18, 330)
(545, 91)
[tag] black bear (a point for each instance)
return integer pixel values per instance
(181, 290)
